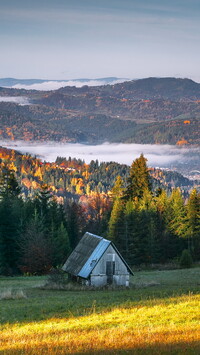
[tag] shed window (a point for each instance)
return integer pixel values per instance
(110, 268)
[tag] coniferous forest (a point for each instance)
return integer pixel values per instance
(45, 208)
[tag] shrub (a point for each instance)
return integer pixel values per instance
(56, 277)
(186, 259)
(12, 295)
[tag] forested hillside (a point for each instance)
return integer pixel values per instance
(117, 113)
(73, 177)
(178, 131)
(45, 209)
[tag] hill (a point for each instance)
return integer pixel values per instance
(43, 123)
(148, 88)
(152, 110)
(177, 131)
(74, 177)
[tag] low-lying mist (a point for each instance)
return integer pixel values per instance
(157, 155)
(21, 100)
(54, 85)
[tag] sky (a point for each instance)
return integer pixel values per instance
(71, 39)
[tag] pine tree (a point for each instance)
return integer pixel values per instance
(117, 190)
(35, 248)
(60, 245)
(178, 213)
(148, 210)
(171, 211)
(75, 222)
(131, 232)
(43, 201)
(193, 223)
(139, 179)
(10, 208)
(8, 183)
(117, 231)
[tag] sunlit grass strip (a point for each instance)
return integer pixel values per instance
(160, 327)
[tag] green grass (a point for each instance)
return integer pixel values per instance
(149, 287)
(159, 314)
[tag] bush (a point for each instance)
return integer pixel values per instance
(56, 277)
(186, 259)
(12, 295)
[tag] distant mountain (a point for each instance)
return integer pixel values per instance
(10, 82)
(42, 84)
(160, 88)
(147, 89)
(152, 110)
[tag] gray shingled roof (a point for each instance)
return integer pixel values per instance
(86, 255)
(81, 253)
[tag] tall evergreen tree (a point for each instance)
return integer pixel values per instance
(8, 183)
(193, 223)
(118, 189)
(75, 222)
(171, 217)
(60, 245)
(43, 202)
(117, 230)
(177, 221)
(10, 207)
(36, 250)
(139, 179)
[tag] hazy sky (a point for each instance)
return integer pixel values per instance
(65, 39)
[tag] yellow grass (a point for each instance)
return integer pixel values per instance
(171, 327)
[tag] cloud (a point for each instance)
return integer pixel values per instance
(21, 100)
(157, 155)
(54, 85)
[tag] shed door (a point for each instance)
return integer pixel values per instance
(110, 270)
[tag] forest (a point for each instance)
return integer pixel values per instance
(151, 110)
(45, 208)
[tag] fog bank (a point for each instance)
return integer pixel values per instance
(21, 100)
(54, 85)
(157, 155)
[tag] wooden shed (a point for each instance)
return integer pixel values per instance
(96, 261)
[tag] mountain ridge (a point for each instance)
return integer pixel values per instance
(124, 112)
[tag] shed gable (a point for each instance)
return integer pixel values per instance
(111, 255)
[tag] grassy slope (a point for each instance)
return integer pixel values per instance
(160, 319)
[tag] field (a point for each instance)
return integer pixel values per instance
(159, 314)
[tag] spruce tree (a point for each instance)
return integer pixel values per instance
(193, 223)
(117, 190)
(60, 245)
(173, 223)
(35, 248)
(117, 231)
(10, 208)
(177, 222)
(139, 179)
(148, 213)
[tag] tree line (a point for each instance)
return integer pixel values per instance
(153, 227)
(147, 225)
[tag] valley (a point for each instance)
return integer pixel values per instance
(151, 111)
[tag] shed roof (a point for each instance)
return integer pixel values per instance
(86, 255)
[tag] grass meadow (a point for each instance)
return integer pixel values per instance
(158, 314)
